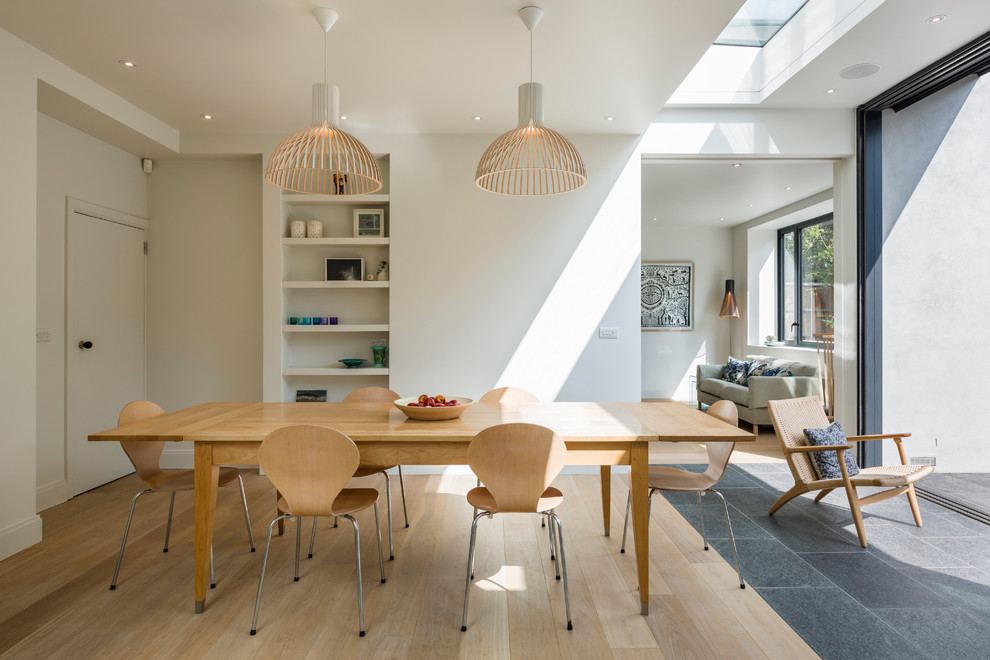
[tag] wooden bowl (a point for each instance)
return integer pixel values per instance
(433, 414)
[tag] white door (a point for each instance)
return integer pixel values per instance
(104, 337)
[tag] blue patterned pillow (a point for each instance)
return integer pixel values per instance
(827, 462)
(736, 371)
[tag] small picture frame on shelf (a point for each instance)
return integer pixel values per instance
(311, 395)
(369, 223)
(345, 270)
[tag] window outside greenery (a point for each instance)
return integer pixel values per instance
(806, 255)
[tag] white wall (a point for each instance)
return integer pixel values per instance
(489, 290)
(70, 164)
(20, 526)
(670, 358)
(204, 285)
(934, 276)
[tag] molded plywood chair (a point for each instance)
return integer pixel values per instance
(517, 462)
(310, 465)
(791, 416)
(508, 395)
(145, 457)
(366, 394)
(684, 481)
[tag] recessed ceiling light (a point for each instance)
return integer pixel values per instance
(750, 205)
(610, 118)
(787, 188)
(477, 117)
(859, 71)
(938, 18)
(722, 219)
(831, 90)
(654, 219)
(737, 164)
(207, 116)
(343, 116)
(127, 63)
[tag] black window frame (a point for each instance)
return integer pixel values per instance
(797, 228)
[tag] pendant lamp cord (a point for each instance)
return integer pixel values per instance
(531, 75)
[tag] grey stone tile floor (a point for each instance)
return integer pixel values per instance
(913, 593)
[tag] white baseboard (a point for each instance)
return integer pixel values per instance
(177, 458)
(51, 494)
(19, 536)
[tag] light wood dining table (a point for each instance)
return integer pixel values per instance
(603, 434)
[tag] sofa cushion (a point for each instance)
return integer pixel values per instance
(766, 369)
(733, 392)
(736, 371)
(827, 462)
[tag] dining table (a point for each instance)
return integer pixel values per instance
(602, 434)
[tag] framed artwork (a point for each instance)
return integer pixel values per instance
(311, 395)
(667, 295)
(345, 270)
(369, 223)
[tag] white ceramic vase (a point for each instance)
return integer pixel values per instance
(314, 229)
(297, 229)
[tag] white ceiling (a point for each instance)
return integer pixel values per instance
(716, 194)
(401, 66)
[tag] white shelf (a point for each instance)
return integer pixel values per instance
(335, 242)
(334, 371)
(381, 327)
(343, 284)
(303, 199)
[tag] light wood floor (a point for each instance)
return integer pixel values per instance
(55, 599)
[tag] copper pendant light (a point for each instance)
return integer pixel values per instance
(323, 159)
(531, 159)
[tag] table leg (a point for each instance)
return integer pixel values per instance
(639, 458)
(206, 477)
(606, 497)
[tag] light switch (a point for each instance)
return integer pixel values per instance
(43, 335)
(608, 333)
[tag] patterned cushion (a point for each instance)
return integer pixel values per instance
(826, 462)
(765, 369)
(736, 371)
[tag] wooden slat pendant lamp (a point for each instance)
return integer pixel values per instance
(531, 159)
(323, 159)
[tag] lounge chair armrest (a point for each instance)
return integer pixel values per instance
(879, 436)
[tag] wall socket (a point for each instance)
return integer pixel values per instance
(608, 333)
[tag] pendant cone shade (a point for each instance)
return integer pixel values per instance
(729, 309)
(531, 159)
(323, 159)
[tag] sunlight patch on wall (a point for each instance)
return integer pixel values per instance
(586, 288)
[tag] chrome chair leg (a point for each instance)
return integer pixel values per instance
(470, 570)
(312, 538)
(378, 531)
(553, 545)
(264, 565)
(123, 541)
(402, 491)
(563, 564)
(388, 507)
(247, 517)
(298, 543)
(732, 541)
(357, 555)
(625, 523)
(704, 537)
(168, 525)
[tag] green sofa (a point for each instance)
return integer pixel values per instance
(751, 399)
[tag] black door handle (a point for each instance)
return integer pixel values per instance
(85, 344)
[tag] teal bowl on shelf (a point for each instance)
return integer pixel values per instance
(352, 363)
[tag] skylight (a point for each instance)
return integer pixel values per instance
(758, 21)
